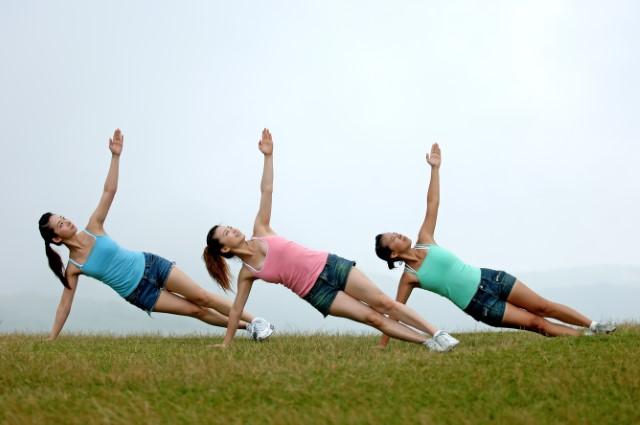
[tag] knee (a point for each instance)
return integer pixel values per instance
(201, 298)
(198, 312)
(544, 308)
(538, 324)
(374, 319)
(385, 305)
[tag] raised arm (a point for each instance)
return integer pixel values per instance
(261, 226)
(405, 287)
(245, 282)
(96, 222)
(428, 227)
(64, 307)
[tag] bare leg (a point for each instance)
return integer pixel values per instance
(515, 317)
(173, 304)
(360, 287)
(346, 306)
(180, 283)
(524, 297)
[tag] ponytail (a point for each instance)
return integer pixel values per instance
(214, 260)
(55, 261)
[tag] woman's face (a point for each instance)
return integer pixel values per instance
(62, 226)
(229, 237)
(396, 242)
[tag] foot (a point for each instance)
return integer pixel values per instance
(446, 341)
(261, 329)
(249, 330)
(598, 328)
(441, 342)
(432, 345)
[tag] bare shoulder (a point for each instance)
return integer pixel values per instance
(95, 228)
(72, 272)
(245, 274)
(262, 231)
(426, 238)
(409, 278)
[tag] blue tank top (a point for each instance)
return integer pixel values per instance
(113, 265)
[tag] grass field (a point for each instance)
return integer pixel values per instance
(510, 377)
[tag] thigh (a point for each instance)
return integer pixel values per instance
(524, 297)
(344, 305)
(180, 283)
(516, 317)
(171, 303)
(360, 287)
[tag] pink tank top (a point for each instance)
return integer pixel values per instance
(290, 264)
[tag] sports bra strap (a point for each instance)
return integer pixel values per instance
(89, 233)
(75, 263)
(250, 267)
(409, 269)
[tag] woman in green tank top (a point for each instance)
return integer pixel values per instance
(493, 297)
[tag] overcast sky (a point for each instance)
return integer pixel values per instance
(534, 104)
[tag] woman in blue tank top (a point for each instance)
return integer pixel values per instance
(147, 281)
(493, 297)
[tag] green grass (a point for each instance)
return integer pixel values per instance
(510, 377)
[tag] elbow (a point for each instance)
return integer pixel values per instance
(110, 189)
(433, 202)
(266, 189)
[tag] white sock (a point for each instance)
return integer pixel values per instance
(593, 325)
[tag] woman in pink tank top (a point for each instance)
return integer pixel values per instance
(333, 285)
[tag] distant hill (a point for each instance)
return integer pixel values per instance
(600, 292)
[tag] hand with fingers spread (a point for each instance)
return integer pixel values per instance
(434, 158)
(266, 143)
(116, 142)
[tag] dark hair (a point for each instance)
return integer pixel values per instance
(384, 253)
(213, 259)
(55, 262)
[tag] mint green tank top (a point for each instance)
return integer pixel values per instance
(445, 274)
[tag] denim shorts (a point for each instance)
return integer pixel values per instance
(490, 300)
(332, 279)
(156, 271)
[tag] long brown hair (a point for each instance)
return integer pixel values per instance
(214, 260)
(384, 253)
(55, 261)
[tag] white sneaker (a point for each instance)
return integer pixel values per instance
(598, 328)
(445, 341)
(432, 345)
(261, 329)
(249, 330)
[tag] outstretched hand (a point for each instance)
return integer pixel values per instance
(116, 142)
(266, 143)
(434, 158)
